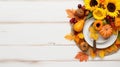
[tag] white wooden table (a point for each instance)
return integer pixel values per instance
(32, 35)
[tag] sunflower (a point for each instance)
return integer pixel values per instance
(91, 4)
(99, 13)
(98, 24)
(112, 7)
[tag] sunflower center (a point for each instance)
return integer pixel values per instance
(93, 3)
(98, 25)
(111, 7)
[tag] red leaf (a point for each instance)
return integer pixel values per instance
(82, 56)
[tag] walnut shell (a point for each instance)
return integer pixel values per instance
(79, 13)
(84, 46)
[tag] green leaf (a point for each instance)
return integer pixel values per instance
(104, 22)
(89, 15)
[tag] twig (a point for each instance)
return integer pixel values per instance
(94, 46)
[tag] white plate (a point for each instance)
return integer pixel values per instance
(101, 42)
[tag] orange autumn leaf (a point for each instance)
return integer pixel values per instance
(82, 56)
(70, 13)
(92, 53)
(111, 49)
(69, 37)
(77, 39)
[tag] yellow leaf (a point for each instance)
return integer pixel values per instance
(92, 30)
(70, 13)
(80, 35)
(102, 53)
(93, 33)
(69, 37)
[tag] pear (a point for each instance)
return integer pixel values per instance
(78, 27)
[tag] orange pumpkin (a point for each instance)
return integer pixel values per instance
(106, 31)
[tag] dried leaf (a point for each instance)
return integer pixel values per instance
(118, 36)
(92, 53)
(77, 40)
(80, 35)
(69, 37)
(82, 56)
(101, 53)
(111, 49)
(93, 33)
(117, 43)
(70, 13)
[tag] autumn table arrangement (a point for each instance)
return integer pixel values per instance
(95, 28)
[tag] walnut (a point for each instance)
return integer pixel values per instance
(79, 13)
(84, 46)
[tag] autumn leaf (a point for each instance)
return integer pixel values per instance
(80, 35)
(69, 37)
(117, 43)
(70, 13)
(77, 39)
(118, 36)
(82, 56)
(101, 53)
(93, 33)
(92, 53)
(111, 49)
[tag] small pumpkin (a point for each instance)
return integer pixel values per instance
(98, 24)
(106, 31)
(78, 27)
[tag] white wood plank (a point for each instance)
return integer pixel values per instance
(63, 64)
(35, 11)
(45, 54)
(39, 53)
(34, 34)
